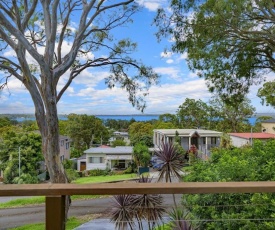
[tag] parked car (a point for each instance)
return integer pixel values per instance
(158, 166)
(153, 161)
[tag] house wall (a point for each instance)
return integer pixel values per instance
(64, 145)
(268, 127)
(185, 143)
(238, 141)
(90, 166)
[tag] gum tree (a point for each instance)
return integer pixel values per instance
(46, 45)
(230, 43)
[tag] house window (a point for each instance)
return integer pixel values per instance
(204, 140)
(68, 145)
(213, 140)
(62, 142)
(62, 158)
(96, 160)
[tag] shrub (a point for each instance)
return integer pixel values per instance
(71, 174)
(25, 178)
(128, 170)
(68, 164)
(97, 172)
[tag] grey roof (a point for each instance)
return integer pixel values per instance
(269, 121)
(116, 150)
(188, 132)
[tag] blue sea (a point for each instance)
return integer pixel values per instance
(129, 117)
(144, 117)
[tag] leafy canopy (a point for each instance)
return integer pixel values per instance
(230, 43)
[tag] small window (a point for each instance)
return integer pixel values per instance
(68, 145)
(204, 140)
(213, 140)
(96, 160)
(62, 142)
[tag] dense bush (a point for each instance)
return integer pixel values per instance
(98, 172)
(71, 174)
(245, 211)
(25, 178)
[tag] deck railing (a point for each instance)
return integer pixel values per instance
(55, 193)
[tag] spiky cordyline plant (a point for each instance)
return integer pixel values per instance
(173, 162)
(129, 207)
(178, 220)
(148, 206)
(122, 212)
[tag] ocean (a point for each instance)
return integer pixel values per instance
(143, 117)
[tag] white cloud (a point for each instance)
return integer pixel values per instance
(171, 72)
(152, 5)
(166, 54)
(170, 61)
(89, 78)
(183, 56)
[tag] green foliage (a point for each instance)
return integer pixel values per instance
(141, 154)
(224, 42)
(232, 118)
(119, 125)
(118, 143)
(164, 125)
(75, 152)
(28, 145)
(67, 164)
(98, 172)
(193, 114)
(141, 132)
(29, 125)
(267, 93)
(71, 174)
(129, 170)
(4, 121)
(85, 130)
(25, 178)
(244, 211)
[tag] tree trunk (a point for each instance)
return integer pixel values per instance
(48, 125)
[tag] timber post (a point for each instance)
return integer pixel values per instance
(55, 213)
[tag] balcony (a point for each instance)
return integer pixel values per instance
(55, 193)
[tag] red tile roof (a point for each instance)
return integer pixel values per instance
(253, 135)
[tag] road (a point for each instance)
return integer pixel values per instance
(15, 217)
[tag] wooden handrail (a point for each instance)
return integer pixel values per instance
(55, 193)
(136, 188)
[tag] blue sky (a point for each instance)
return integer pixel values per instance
(88, 93)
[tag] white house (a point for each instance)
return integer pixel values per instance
(241, 139)
(203, 139)
(104, 157)
(120, 136)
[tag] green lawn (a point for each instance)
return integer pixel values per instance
(83, 180)
(101, 179)
(71, 224)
